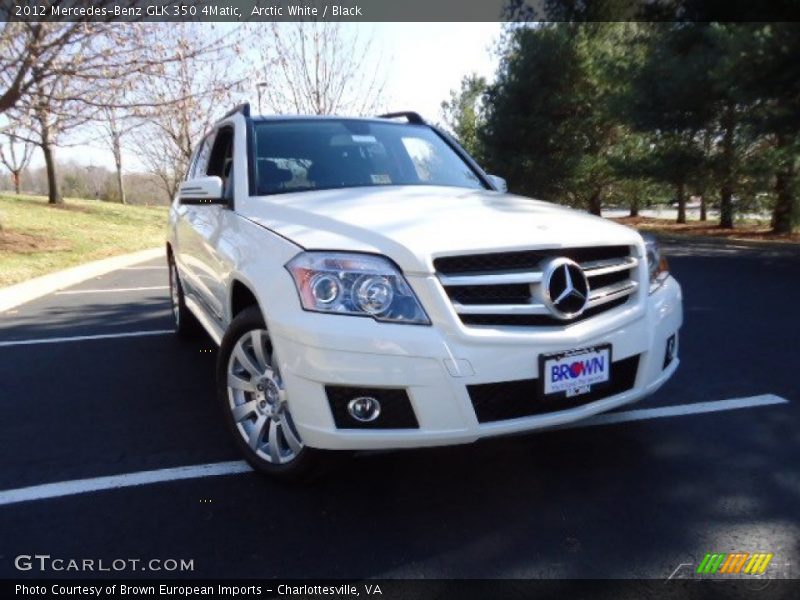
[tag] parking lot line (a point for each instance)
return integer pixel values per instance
(680, 410)
(113, 290)
(81, 338)
(145, 268)
(82, 486)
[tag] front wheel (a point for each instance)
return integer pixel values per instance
(254, 400)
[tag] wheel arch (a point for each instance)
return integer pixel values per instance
(241, 297)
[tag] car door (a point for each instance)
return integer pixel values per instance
(187, 241)
(208, 224)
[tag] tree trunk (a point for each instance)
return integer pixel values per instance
(681, 202)
(596, 203)
(785, 209)
(117, 151)
(635, 206)
(726, 207)
(121, 186)
(53, 193)
(707, 146)
(15, 177)
(728, 156)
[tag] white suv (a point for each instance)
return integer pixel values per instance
(370, 287)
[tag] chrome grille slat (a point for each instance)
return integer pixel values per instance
(522, 260)
(611, 292)
(500, 309)
(604, 267)
(491, 278)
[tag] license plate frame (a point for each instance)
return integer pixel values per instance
(596, 350)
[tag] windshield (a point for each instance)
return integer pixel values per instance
(314, 154)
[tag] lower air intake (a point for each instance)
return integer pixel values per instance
(523, 398)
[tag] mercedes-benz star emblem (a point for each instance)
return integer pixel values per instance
(565, 290)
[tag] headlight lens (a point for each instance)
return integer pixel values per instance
(355, 284)
(656, 262)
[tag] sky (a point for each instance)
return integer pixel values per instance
(423, 62)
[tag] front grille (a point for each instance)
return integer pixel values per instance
(504, 288)
(539, 320)
(523, 398)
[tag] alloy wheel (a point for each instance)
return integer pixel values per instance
(258, 401)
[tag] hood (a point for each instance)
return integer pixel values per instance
(412, 225)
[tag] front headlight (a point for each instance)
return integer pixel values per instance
(656, 262)
(355, 284)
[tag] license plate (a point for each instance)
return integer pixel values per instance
(575, 372)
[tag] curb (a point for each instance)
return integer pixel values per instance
(787, 248)
(23, 292)
(730, 240)
(680, 236)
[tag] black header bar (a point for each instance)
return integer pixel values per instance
(397, 10)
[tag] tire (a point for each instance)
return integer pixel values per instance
(254, 402)
(185, 323)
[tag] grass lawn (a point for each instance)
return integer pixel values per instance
(37, 238)
(747, 230)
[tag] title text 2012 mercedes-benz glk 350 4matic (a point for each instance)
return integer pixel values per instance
(370, 286)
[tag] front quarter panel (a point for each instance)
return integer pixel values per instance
(255, 256)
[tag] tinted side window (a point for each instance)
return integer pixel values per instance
(220, 158)
(198, 168)
(220, 162)
(192, 162)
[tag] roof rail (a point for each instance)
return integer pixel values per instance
(243, 108)
(411, 116)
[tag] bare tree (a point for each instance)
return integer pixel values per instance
(116, 124)
(114, 138)
(313, 67)
(54, 113)
(16, 156)
(23, 46)
(187, 96)
(65, 74)
(89, 48)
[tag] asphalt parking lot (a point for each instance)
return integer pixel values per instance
(635, 498)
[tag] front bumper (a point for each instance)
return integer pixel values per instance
(435, 365)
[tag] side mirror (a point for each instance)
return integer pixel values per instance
(203, 190)
(499, 183)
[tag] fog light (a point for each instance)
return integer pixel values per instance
(364, 408)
